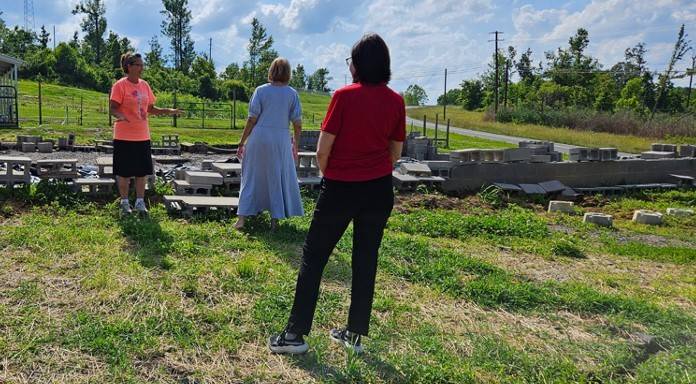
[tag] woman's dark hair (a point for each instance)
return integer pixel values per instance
(370, 56)
(127, 59)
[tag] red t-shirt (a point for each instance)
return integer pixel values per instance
(364, 119)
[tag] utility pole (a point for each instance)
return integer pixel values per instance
(497, 74)
(444, 99)
(54, 37)
(210, 50)
(691, 79)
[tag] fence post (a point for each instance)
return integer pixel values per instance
(40, 111)
(203, 115)
(424, 133)
(66, 115)
(436, 121)
(81, 107)
(312, 117)
(448, 130)
(234, 106)
(174, 116)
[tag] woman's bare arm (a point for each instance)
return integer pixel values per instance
(324, 146)
(395, 148)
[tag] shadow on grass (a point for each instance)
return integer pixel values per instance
(147, 241)
(286, 241)
(311, 363)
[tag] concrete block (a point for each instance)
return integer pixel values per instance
(189, 205)
(183, 187)
(652, 155)
(537, 147)
(601, 219)
(517, 155)
(492, 155)
(642, 216)
(540, 159)
(556, 156)
(686, 150)
(658, 147)
(608, 154)
(203, 178)
(579, 154)
(62, 143)
(415, 169)
(45, 147)
(561, 206)
(680, 212)
(593, 154)
(28, 147)
(95, 187)
(57, 169)
(466, 155)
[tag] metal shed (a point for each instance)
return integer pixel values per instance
(9, 112)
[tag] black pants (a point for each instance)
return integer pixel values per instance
(368, 204)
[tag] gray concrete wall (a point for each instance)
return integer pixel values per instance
(470, 177)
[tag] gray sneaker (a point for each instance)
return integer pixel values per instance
(125, 208)
(348, 339)
(140, 207)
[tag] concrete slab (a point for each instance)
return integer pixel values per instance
(508, 187)
(203, 178)
(598, 219)
(553, 186)
(642, 216)
(680, 212)
(169, 159)
(652, 155)
(561, 206)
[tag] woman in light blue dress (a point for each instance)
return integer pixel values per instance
(269, 178)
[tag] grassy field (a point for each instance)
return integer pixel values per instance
(474, 120)
(95, 121)
(477, 289)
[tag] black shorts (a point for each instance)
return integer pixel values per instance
(132, 158)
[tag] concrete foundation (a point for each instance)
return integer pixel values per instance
(471, 177)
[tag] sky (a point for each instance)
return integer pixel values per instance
(424, 37)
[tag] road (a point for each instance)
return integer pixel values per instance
(560, 147)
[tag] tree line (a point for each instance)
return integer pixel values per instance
(93, 61)
(568, 78)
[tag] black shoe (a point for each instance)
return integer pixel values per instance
(282, 344)
(349, 339)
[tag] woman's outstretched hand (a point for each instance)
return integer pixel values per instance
(240, 151)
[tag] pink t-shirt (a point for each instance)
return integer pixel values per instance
(135, 100)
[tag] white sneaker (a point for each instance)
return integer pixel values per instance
(125, 208)
(140, 207)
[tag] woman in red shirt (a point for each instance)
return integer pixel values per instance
(361, 138)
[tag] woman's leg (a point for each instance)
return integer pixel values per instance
(368, 229)
(123, 186)
(332, 215)
(140, 187)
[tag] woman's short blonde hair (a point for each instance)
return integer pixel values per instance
(279, 70)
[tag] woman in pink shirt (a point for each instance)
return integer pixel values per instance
(131, 102)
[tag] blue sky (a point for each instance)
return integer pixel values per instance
(424, 36)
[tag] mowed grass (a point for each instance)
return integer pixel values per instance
(467, 292)
(190, 128)
(474, 120)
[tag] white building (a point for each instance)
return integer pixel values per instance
(9, 113)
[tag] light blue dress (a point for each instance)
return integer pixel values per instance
(269, 178)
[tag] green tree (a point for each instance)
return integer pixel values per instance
(453, 97)
(571, 66)
(319, 80)
(232, 72)
(681, 47)
(415, 95)
(176, 26)
(632, 96)
(17, 42)
(298, 80)
(44, 37)
(606, 93)
(93, 25)
(261, 54)
(525, 68)
(235, 88)
(471, 95)
(154, 57)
